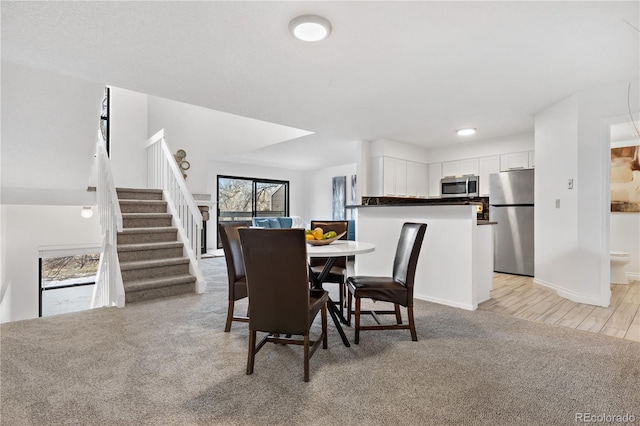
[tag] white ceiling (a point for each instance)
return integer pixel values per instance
(407, 71)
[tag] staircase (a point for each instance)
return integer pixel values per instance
(152, 261)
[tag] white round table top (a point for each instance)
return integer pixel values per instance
(340, 248)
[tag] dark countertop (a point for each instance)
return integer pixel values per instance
(486, 222)
(439, 203)
(384, 201)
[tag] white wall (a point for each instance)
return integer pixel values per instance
(206, 134)
(49, 132)
(556, 229)
(625, 236)
(572, 242)
(483, 148)
(296, 180)
(318, 191)
(128, 138)
(397, 149)
(27, 229)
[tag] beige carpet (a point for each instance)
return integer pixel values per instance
(168, 362)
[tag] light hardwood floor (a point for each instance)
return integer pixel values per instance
(520, 297)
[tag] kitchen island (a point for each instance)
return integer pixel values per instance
(455, 266)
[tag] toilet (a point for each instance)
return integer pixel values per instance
(618, 260)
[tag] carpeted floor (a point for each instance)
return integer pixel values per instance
(168, 362)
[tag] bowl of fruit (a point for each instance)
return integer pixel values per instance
(317, 236)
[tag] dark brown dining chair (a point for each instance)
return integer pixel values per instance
(397, 289)
(338, 272)
(279, 295)
(235, 268)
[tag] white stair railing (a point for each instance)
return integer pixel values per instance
(109, 289)
(163, 173)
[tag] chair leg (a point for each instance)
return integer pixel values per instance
(323, 317)
(227, 326)
(412, 324)
(398, 315)
(306, 358)
(341, 290)
(252, 351)
(357, 327)
(349, 300)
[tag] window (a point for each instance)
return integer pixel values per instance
(242, 198)
(104, 118)
(67, 283)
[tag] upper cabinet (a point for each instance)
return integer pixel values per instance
(516, 160)
(450, 168)
(394, 176)
(469, 166)
(417, 178)
(400, 176)
(487, 166)
(460, 167)
(435, 174)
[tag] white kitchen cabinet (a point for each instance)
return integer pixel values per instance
(514, 161)
(388, 176)
(487, 166)
(417, 178)
(469, 166)
(401, 177)
(435, 174)
(532, 159)
(451, 168)
(460, 167)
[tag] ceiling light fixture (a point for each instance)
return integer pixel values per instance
(466, 131)
(310, 28)
(86, 212)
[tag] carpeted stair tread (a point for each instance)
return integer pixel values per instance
(153, 283)
(153, 263)
(139, 194)
(149, 230)
(149, 246)
(143, 206)
(145, 202)
(147, 215)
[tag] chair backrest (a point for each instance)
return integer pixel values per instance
(406, 260)
(232, 252)
(339, 226)
(277, 278)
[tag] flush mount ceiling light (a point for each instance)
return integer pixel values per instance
(466, 131)
(310, 28)
(86, 212)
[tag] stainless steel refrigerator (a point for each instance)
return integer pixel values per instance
(511, 198)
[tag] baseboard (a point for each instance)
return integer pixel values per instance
(570, 294)
(633, 276)
(445, 302)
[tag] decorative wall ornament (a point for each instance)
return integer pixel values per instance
(182, 163)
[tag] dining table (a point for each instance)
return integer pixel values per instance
(331, 252)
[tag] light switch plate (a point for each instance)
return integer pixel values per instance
(570, 183)
(557, 203)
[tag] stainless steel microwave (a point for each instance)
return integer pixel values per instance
(459, 186)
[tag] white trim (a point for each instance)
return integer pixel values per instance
(68, 250)
(633, 276)
(445, 302)
(573, 296)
